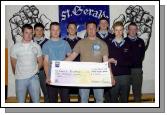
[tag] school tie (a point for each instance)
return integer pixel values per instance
(104, 35)
(38, 41)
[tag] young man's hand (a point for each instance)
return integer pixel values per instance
(112, 60)
(48, 80)
(113, 82)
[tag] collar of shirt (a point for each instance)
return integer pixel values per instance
(118, 44)
(55, 40)
(72, 38)
(26, 45)
(39, 40)
(103, 34)
(132, 39)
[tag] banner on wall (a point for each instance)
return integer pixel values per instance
(80, 14)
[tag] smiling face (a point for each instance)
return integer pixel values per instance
(39, 32)
(118, 30)
(72, 29)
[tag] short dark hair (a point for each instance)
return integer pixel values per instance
(28, 26)
(91, 22)
(132, 24)
(39, 25)
(104, 18)
(72, 22)
(55, 24)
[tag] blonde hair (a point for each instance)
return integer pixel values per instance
(119, 23)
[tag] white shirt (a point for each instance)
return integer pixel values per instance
(26, 59)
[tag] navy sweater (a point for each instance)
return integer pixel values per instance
(42, 43)
(108, 38)
(137, 52)
(123, 57)
(72, 43)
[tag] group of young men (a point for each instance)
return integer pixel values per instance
(31, 61)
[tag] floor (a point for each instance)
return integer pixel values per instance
(146, 98)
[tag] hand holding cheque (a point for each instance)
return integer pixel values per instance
(80, 74)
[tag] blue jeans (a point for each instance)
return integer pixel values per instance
(98, 94)
(32, 85)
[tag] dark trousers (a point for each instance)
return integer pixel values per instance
(120, 92)
(107, 98)
(53, 94)
(136, 79)
(43, 85)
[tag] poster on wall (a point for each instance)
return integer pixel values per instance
(80, 14)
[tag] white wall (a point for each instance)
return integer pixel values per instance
(52, 13)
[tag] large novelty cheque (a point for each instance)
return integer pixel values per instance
(80, 74)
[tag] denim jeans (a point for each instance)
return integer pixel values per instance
(98, 94)
(32, 85)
